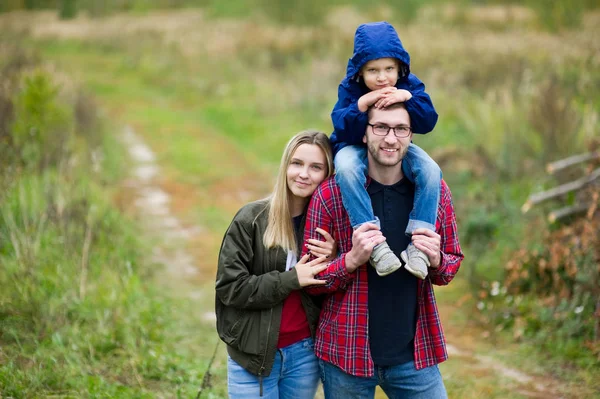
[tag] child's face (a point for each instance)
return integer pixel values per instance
(380, 73)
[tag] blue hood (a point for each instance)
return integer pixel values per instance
(376, 40)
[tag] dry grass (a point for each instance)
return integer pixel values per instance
(195, 34)
(446, 56)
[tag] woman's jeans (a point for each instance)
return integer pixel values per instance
(398, 382)
(295, 375)
(418, 167)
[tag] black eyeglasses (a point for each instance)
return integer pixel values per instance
(384, 130)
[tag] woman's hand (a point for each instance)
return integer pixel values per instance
(327, 248)
(308, 270)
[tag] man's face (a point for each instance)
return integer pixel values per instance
(380, 73)
(388, 150)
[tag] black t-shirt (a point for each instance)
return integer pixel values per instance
(299, 222)
(393, 298)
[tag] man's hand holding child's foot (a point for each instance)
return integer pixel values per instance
(415, 261)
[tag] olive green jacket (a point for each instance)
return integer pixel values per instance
(252, 284)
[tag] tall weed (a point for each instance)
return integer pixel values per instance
(42, 128)
(71, 322)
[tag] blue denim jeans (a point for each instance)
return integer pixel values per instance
(418, 167)
(398, 382)
(295, 375)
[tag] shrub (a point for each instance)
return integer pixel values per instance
(67, 9)
(550, 291)
(556, 15)
(42, 127)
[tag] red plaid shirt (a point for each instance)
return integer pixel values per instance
(343, 333)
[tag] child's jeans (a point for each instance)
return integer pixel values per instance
(418, 167)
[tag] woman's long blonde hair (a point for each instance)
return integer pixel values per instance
(280, 231)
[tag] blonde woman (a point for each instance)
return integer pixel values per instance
(267, 321)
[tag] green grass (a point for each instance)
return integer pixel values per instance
(122, 336)
(56, 335)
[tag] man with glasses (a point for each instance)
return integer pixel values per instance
(377, 330)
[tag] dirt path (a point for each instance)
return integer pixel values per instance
(475, 356)
(171, 237)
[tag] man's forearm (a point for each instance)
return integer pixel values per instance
(352, 263)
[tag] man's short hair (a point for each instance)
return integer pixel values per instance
(389, 107)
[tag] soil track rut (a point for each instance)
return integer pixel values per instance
(186, 252)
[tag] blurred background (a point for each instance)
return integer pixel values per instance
(131, 131)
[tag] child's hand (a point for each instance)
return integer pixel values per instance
(373, 96)
(327, 248)
(398, 96)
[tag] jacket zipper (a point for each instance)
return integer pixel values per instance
(262, 366)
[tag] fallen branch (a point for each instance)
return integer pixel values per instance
(575, 185)
(567, 211)
(206, 383)
(570, 161)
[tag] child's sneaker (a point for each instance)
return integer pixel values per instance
(415, 261)
(384, 260)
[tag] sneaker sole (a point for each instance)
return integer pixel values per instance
(416, 273)
(383, 274)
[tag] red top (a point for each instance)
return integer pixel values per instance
(342, 337)
(294, 325)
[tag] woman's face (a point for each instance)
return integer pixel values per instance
(306, 170)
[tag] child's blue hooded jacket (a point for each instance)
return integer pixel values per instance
(372, 41)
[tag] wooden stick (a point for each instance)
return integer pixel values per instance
(567, 211)
(570, 161)
(536, 198)
(597, 324)
(85, 257)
